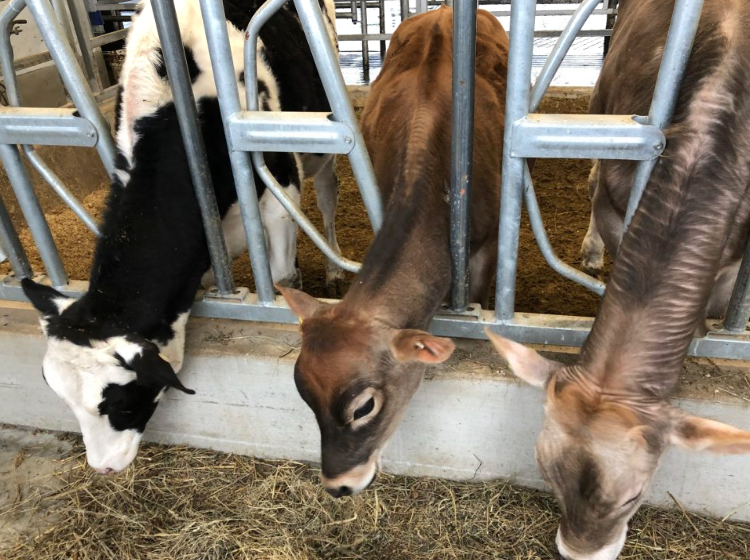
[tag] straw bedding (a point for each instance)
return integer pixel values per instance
(177, 502)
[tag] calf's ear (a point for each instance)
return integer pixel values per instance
(303, 305)
(524, 362)
(150, 366)
(411, 345)
(702, 434)
(48, 301)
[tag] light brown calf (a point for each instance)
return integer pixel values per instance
(608, 418)
(362, 360)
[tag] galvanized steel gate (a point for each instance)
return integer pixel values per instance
(252, 132)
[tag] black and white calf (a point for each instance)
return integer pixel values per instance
(112, 353)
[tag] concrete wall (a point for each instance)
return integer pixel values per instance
(469, 420)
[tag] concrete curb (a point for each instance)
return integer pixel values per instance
(467, 421)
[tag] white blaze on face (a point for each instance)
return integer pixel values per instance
(79, 375)
(609, 552)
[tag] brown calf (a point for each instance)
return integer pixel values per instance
(608, 419)
(362, 360)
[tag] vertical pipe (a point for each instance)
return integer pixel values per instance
(82, 28)
(462, 145)
(329, 70)
(73, 78)
(381, 11)
(187, 115)
(32, 211)
(62, 15)
(12, 245)
(516, 107)
(677, 50)
(6, 51)
(738, 310)
(365, 42)
(404, 10)
(214, 22)
(611, 18)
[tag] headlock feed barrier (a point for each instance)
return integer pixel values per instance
(250, 133)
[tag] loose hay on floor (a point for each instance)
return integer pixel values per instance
(190, 504)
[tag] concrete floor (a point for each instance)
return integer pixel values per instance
(28, 460)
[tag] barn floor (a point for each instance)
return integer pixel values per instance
(178, 502)
(561, 186)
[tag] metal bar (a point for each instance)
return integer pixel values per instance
(73, 78)
(10, 242)
(326, 61)
(582, 33)
(738, 310)
(365, 44)
(555, 59)
(117, 7)
(462, 148)
(584, 136)
(298, 216)
(82, 28)
(312, 133)
(32, 211)
(601, 11)
(404, 11)
(530, 328)
(517, 107)
(369, 37)
(214, 22)
(545, 247)
(6, 50)
(674, 61)
(63, 17)
(192, 137)
(541, 33)
(381, 27)
(108, 38)
(60, 189)
(48, 127)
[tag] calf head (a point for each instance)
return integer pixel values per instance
(598, 449)
(111, 384)
(357, 374)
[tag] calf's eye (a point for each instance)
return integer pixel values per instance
(365, 409)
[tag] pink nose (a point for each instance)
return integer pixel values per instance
(105, 470)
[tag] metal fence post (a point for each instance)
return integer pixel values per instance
(82, 28)
(192, 136)
(329, 70)
(214, 21)
(32, 211)
(738, 310)
(517, 107)
(12, 245)
(365, 42)
(73, 78)
(462, 145)
(677, 50)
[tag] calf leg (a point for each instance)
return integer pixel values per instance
(281, 237)
(722, 290)
(482, 266)
(327, 194)
(592, 249)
